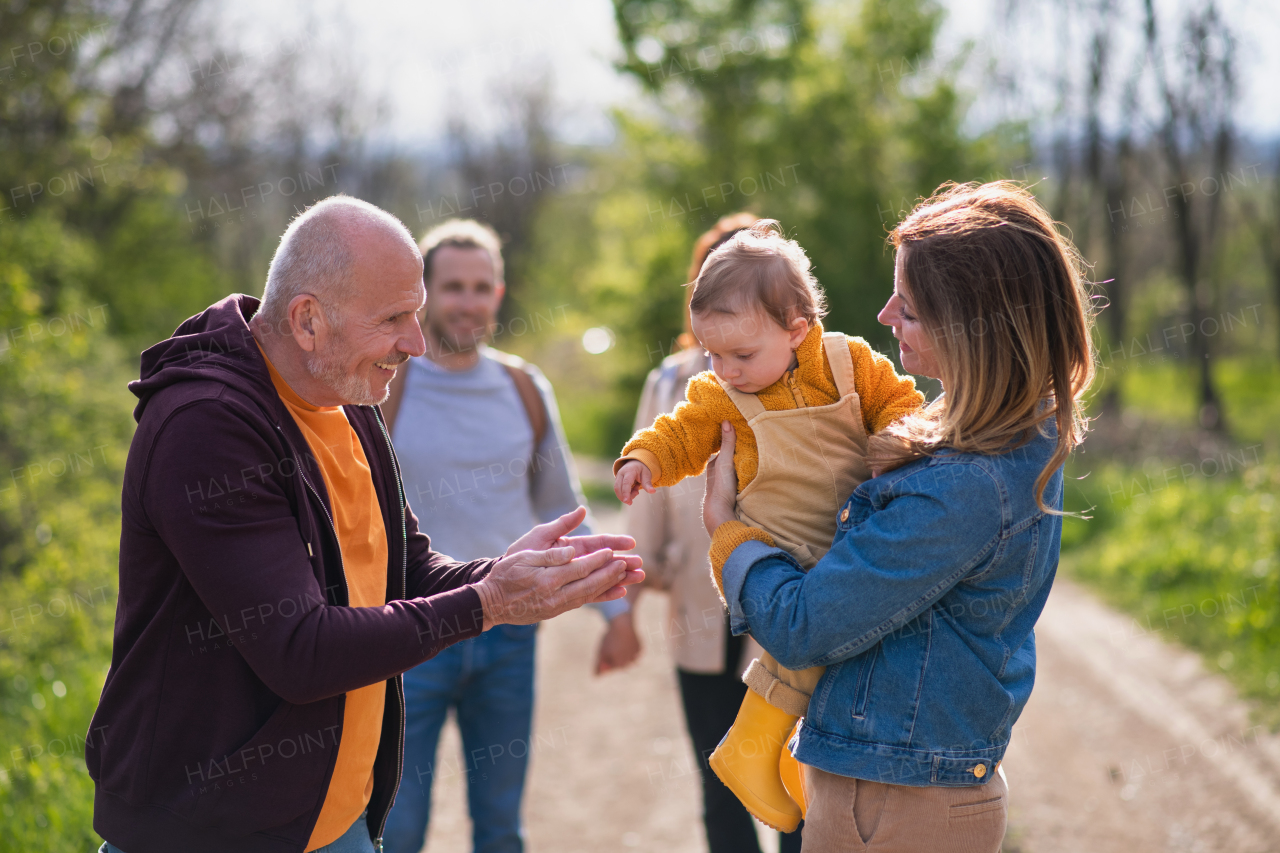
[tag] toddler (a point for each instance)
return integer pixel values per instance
(802, 403)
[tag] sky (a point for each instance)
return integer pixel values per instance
(428, 59)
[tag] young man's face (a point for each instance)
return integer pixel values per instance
(463, 297)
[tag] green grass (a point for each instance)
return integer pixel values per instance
(1190, 548)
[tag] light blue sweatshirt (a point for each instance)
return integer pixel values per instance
(471, 473)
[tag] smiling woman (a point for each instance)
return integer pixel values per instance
(915, 343)
(923, 608)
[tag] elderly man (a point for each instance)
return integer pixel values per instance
(273, 581)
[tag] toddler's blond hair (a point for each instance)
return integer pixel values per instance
(759, 268)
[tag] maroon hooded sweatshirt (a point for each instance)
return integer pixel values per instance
(221, 715)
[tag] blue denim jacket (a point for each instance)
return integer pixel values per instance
(922, 613)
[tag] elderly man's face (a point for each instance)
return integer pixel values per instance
(378, 328)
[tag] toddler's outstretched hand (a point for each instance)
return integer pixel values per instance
(632, 477)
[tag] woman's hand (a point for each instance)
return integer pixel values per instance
(721, 497)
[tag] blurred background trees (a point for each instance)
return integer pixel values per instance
(151, 159)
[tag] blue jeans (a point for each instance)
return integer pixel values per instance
(489, 680)
(354, 840)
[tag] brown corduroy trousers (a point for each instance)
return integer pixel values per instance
(858, 816)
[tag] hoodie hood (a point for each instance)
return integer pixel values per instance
(216, 345)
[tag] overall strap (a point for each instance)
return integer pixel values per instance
(836, 346)
(748, 404)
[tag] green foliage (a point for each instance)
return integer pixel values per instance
(1184, 537)
(64, 433)
(831, 126)
(153, 275)
(842, 125)
(1162, 386)
(80, 153)
(597, 264)
(95, 261)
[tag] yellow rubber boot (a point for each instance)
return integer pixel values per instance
(747, 762)
(789, 771)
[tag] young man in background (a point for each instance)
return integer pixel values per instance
(483, 453)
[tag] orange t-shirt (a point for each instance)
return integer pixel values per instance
(362, 539)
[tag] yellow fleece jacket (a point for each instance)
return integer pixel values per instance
(680, 444)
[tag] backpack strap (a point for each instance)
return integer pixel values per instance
(534, 407)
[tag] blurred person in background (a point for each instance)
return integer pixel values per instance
(478, 436)
(667, 526)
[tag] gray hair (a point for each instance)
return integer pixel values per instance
(316, 255)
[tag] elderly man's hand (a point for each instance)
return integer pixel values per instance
(720, 500)
(555, 534)
(529, 586)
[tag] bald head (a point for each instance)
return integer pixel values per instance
(339, 314)
(323, 248)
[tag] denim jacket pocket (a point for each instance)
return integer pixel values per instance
(862, 690)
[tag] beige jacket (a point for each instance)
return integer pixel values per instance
(671, 538)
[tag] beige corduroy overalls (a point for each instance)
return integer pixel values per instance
(811, 460)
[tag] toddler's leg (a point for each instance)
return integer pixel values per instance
(753, 760)
(786, 689)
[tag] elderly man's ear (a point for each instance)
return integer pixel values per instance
(306, 319)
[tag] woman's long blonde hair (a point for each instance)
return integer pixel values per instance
(1003, 296)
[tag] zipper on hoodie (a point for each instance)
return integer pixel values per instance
(333, 528)
(404, 571)
(404, 582)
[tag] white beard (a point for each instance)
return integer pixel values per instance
(354, 390)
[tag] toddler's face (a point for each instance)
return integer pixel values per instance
(749, 351)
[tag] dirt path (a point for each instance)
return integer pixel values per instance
(612, 767)
(1127, 746)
